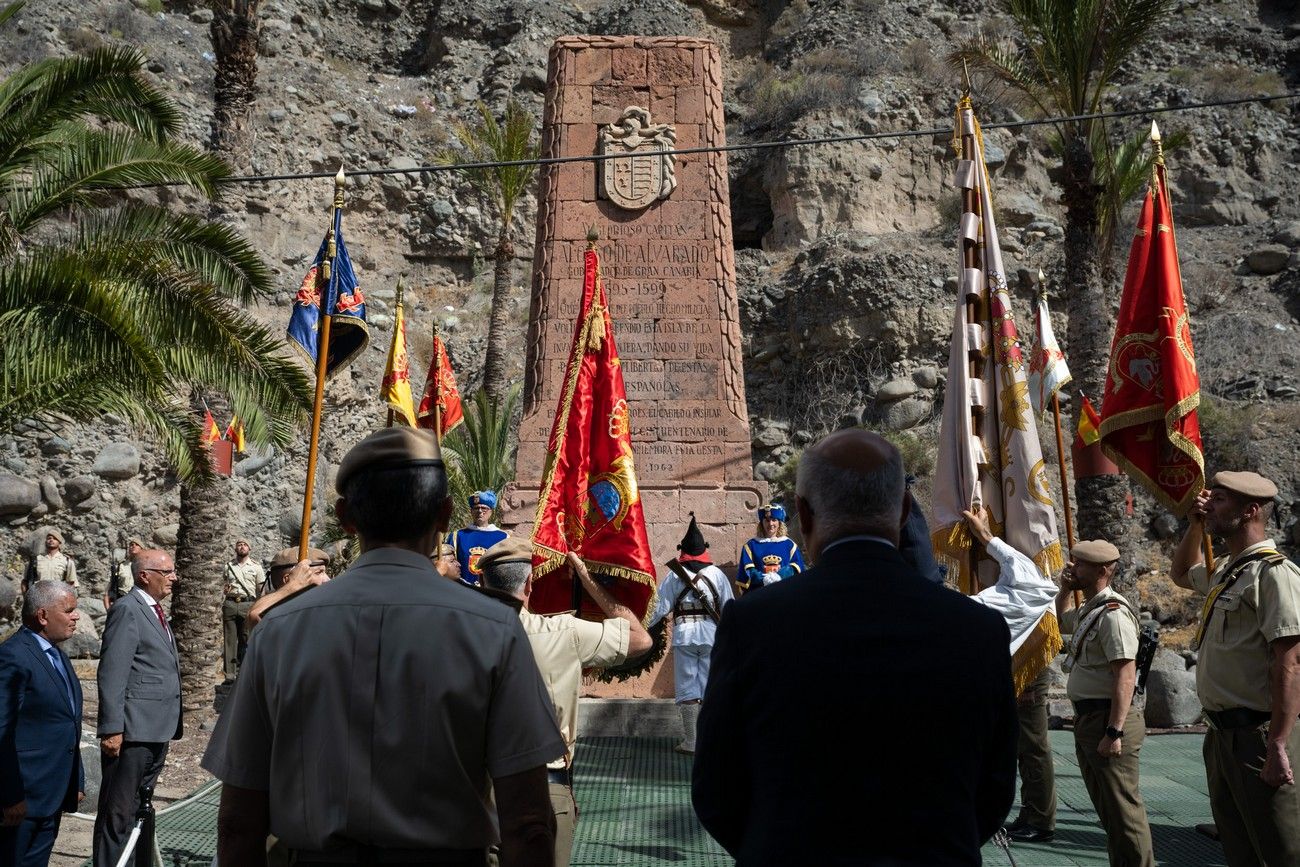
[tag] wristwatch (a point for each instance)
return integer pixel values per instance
(1113, 733)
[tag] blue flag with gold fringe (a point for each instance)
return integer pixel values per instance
(333, 279)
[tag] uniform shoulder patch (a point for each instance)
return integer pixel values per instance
(1111, 606)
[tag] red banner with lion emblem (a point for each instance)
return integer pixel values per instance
(1148, 416)
(589, 502)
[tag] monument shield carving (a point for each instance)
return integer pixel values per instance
(645, 168)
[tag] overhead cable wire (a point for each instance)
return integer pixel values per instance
(748, 146)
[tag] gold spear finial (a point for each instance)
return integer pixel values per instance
(399, 293)
(1042, 283)
(340, 181)
(965, 78)
(592, 236)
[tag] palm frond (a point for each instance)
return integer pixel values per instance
(480, 449)
(493, 141)
(95, 161)
(108, 83)
(11, 10)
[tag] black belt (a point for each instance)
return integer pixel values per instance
(367, 855)
(1237, 718)
(1091, 705)
(560, 776)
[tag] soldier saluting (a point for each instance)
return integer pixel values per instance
(1248, 669)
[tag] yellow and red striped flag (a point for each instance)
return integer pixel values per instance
(235, 433)
(211, 433)
(1089, 432)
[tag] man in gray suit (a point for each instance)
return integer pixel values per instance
(139, 700)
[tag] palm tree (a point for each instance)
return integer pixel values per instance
(112, 306)
(479, 451)
(500, 187)
(1073, 52)
(235, 31)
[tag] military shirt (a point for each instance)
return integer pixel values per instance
(125, 578)
(376, 709)
(1113, 637)
(563, 646)
(56, 567)
(244, 578)
(1263, 605)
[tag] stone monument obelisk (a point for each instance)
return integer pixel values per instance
(664, 223)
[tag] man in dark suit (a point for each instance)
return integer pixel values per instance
(40, 727)
(856, 716)
(139, 700)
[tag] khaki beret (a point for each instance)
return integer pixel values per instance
(511, 549)
(1094, 551)
(289, 557)
(389, 448)
(134, 540)
(1248, 484)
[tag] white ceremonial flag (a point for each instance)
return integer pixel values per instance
(988, 443)
(1047, 371)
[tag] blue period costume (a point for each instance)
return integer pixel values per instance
(767, 561)
(470, 543)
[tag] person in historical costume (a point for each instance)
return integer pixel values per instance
(1248, 669)
(470, 543)
(771, 556)
(694, 591)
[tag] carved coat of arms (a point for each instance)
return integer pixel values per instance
(649, 174)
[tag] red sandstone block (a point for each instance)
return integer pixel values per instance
(609, 101)
(577, 182)
(576, 107)
(589, 66)
(672, 66)
(688, 135)
(663, 104)
(629, 64)
(690, 105)
(578, 140)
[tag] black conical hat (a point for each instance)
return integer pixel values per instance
(693, 542)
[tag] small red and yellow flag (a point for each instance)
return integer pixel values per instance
(441, 398)
(235, 433)
(1089, 432)
(396, 387)
(211, 433)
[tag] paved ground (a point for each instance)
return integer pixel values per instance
(635, 809)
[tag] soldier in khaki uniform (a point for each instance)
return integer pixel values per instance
(243, 582)
(53, 565)
(1248, 670)
(563, 646)
(1108, 728)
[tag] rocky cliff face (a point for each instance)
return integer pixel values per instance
(845, 252)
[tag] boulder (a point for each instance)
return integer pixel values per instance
(8, 595)
(895, 389)
(926, 377)
(56, 446)
(165, 536)
(84, 643)
(1165, 526)
(1171, 697)
(904, 414)
(117, 461)
(90, 757)
(79, 489)
(17, 495)
(50, 493)
(1289, 235)
(1268, 259)
(257, 459)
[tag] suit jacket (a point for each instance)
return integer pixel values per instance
(139, 675)
(40, 735)
(857, 716)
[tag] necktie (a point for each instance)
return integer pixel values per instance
(162, 619)
(63, 675)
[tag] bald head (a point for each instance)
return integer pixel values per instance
(850, 483)
(154, 572)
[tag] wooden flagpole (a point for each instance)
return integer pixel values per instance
(437, 422)
(976, 306)
(322, 357)
(1060, 454)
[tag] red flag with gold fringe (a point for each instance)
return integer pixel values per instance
(589, 502)
(1148, 419)
(441, 397)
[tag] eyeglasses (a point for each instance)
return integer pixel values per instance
(171, 571)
